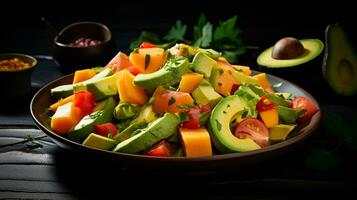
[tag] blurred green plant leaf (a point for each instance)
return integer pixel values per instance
(145, 36)
(321, 160)
(177, 32)
(350, 134)
(224, 38)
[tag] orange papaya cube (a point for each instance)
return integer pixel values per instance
(83, 75)
(128, 92)
(222, 79)
(119, 62)
(65, 118)
(190, 81)
(148, 60)
(195, 142)
(270, 117)
(171, 101)
(61, 102)
(263, 81)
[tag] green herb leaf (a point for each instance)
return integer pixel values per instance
(321, 160)
(172, 101)
(219, 125)
(205, 38)
(184, 106)
(184, 117)
(147, 61)
(176, 32)
(145, 37)
(227, 30)
(151, 100)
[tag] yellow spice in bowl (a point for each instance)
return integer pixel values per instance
(14, 64)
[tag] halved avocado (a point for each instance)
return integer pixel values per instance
(313, 47)
(340, 62)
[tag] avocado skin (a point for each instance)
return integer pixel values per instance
(169, 75)
(80, 132)
(339, 50)
(162, 128)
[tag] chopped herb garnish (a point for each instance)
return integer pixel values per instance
(184, 106)
(172, 101)
(245, 113)
(219, 125)
(224, 112)
(219, 84)
(184, 116)
(185, 51)
(151, 100)
(228, 106)
(221, 71)
(147, 61)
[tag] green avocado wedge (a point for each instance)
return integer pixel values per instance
(161, 128)
(340, 61)
(219, 125)
(101, 114)
(313, 48)
(169, 75)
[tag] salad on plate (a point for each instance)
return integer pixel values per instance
(181, 101)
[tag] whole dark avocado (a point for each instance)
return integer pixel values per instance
(340, 61)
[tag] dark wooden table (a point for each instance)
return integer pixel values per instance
(324, 165)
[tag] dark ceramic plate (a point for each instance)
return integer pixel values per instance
(217, 163)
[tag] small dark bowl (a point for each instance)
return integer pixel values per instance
(73, 58)
(17, 83)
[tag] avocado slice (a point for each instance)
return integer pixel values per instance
(219, 125)
(146, 115)
(161, 128)
(101, 88)
(99, 142)
(211, 53)
(203, 64)
(280, 131)
(313, 48)
(205, 94)
(289, 115)
(169, 75)
(340, 61)
(103, 112)
(66, 90)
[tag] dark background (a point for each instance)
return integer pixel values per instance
(262, 23)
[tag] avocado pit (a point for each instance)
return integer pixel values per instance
(287, 48)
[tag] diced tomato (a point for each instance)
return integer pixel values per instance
(193, 118)
(119, 62)
(235, 87)
(162, 148)
(106, 129)
(254, 129)
(303, 103)
(206, 108)
(133, 70)
(145, 45)
(85, 101)
(265, 104)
